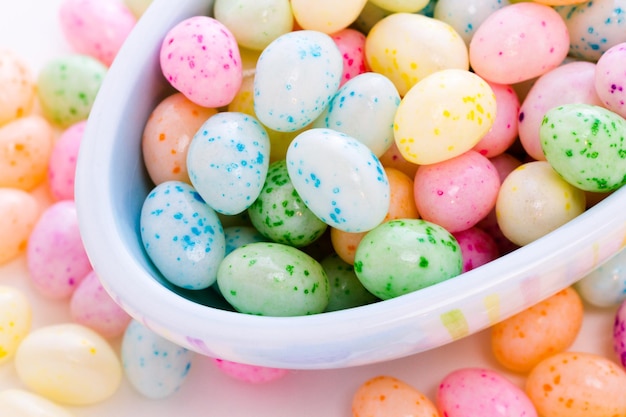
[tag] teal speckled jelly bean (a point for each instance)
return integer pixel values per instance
(586, 145)
(67, 87)
(153, 365)
(182, 235)
(402, 256)
(280, 214)
(272, 279)
(346, 291)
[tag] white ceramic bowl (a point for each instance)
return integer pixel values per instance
(112, 184)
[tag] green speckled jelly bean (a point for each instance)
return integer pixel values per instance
(280, 214)
(405, 255)
(346, 291)
(67, 87)
(272, 279)
(585, 144)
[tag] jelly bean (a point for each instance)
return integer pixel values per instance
(477, 247)
(458, 101)
(20, 403)
(272, 279)
(96, 28)
(393, 159)
(518, 42)
(608, 79)
(155, 366)
(457, 193)
(236, 236)
(67, 87)
(577, 384)
(18, 87)
(406, 48)
(255, 24)
(249, 373)
(383, 396)
(346, 290)
(339, 179)
(227, 161)
(328, 16)
(605, 286)
(569, 83)
(466, 16)
(93, 307)
(25, 147)
(56, 258)
(69, 364)
(406, 6)
(280, 214)
(167, 135)
(481, 391)
(548, 327)
(182, 235)
(369, 16)
(200, 58)
(296, 76)
(594, 27)
(402, 256)
(138, 7)
(619, 333)
(585, 145)
(63, 159)
(15, 321)
(534, 200)
(351, 44)
(19, 212)
(364, 108)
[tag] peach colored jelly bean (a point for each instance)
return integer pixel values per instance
(19, 211)
(18, 87)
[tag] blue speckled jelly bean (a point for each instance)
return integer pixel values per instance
(237, 236)
(155, 367)
(466, 15)
(339, 179)
(364, 108)
(606, 285)
(296, 76)
(182, 235)
(227, 161)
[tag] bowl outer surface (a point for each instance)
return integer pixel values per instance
(112, 184)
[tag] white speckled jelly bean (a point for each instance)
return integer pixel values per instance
(68, 363)
(200, 58)
(56, 258)
(481, 392)
(249, 373)
(339, 179)
(605, 286)
(155, 366)
(328, 16)
(351, 44)
(19, 212)
(21, 403)
(62, 164)
(182, 235)
(466, 16)
(237, 236)
(296, 76)
(364, 108)
(15, 321)
(609, 79)
(228, 160)
(18, 86)
(518, 42)
(435, 110)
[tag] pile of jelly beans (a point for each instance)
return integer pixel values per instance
(254, 158)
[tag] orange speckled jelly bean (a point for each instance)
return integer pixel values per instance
(551, 326)
(385, 396)
(576, 384)
(17, 87)
(25, 147)
(19, 211)
(167, 135)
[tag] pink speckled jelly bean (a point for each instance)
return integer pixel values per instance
(609, 79)
(200, 58)
(619, 333)
(56, 259)
(95, 27)
(351, 44)
(62, 164)
(249, 373)
(477, 247)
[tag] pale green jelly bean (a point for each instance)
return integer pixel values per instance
(272, 279)
(346, 291)
(67, 87)
(406, 255)
(280, 214)
(585, 145)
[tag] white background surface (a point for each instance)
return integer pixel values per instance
(30, 28)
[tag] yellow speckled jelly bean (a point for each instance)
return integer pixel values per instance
(407, 47)
(328, 16)
(21, 403)
(69, 364)
(17, 87)
(19, 212)
(15, 321)
(443, 116)
(576, 384)
(409, 6)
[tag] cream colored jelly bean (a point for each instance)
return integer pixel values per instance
(20, 403)
(443, 116)
(328, 16)
(69, 364)
(17, 87)
(408, 47)
(15, 321)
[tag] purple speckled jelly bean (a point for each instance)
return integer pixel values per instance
(619, 333)
(200, 58)
(610, 79)
(62, 164)
(249, 373)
